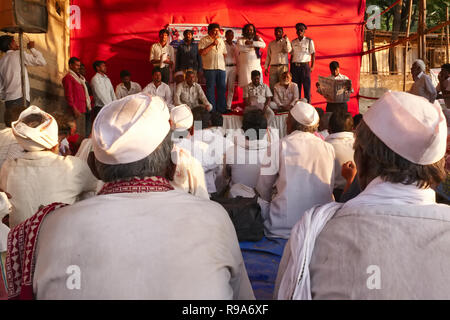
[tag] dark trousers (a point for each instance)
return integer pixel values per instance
(88, 123)
(301, 75)
(10, 105)
(216, 78)
(337, 107)
(165, 75)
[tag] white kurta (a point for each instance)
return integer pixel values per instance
(303, 178)
(342, 143)
(41, 178)
(244, 159)
(390, 242)
(248, 61)
(157, 245)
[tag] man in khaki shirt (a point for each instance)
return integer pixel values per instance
(213, 51)
(277, 57)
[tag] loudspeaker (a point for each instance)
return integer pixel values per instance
(30, 16)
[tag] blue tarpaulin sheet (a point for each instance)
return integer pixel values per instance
(261, 260)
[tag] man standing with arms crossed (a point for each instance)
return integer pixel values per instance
(303, 53)
(277, 57)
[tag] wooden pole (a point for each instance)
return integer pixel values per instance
(22, 68)
(448, 44)
(405, 53)
(422, 28)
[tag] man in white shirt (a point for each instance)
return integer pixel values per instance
(337, 75)
(9, 147)
(10, 74)
(127, 87)
(422, 86)
(101, 86)
(191, 93)
(285, 93)
(277, 57)
(302, 55)
(230, 65)
(162, 55)
(213, 51)
(301, 168)
(187, 154)
(444, 84)
(257, 95)
(341, 137)
(391, 241)
(159, 88)
(185, 247)
(41, 176)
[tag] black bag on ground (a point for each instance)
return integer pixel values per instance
(245, 213)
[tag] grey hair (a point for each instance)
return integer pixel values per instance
(155, 164)
(420, 64)
(300, 127)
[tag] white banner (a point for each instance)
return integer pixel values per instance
(199, 31)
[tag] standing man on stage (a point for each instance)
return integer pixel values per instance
(303, 58)
(10, 75)
(77, 96)
(162, 55)
(213, 51)
(277, 57)
(230, 65)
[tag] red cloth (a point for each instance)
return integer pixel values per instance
(137, 185)
(20, 259)
(121, 32)
(74, 93)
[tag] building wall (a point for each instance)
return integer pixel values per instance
(46, 89)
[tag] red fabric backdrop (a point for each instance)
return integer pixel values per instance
(122, 31)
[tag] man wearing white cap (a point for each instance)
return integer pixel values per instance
(41, 176)
(189, 155)
(391, 241)
(303, 174)
(139, 238)
(422, 86)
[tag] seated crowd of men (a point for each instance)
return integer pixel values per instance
(131, 211)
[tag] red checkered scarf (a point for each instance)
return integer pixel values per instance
(20, 259)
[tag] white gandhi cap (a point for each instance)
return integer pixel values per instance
(410, 126)
(129, 129)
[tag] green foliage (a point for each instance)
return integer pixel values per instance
(436, 13)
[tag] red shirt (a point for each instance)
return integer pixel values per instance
(74, 92)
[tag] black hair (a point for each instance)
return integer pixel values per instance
(340, 122)
(97, 63)
(446, 67)
(334, 65)
(200, 114)
(185, 32)
(216, 119)
(162, 31)
(73, 60)
(228, 31)
(255, 120)
(212, 26)
(5, 42)
(356, 120)
(279, 28)
(255, 73)
(125, 73)
(299, 25)
(156, 69)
